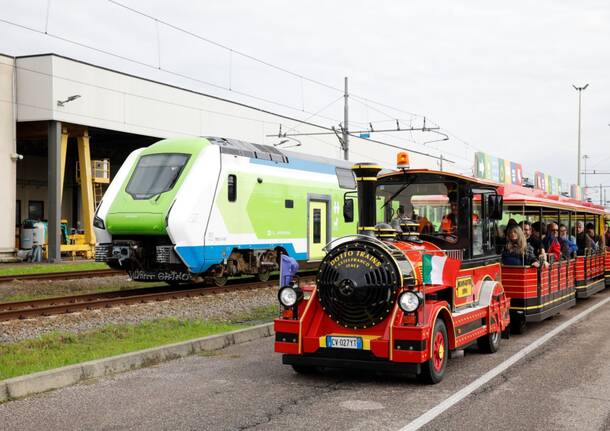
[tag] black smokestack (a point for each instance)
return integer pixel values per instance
(366, 176)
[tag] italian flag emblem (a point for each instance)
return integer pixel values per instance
(439, 269)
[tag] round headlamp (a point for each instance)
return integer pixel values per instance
(408, 301)
(288, 296)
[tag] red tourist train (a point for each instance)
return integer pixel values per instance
(427, 278)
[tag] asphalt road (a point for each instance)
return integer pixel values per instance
(563, 385)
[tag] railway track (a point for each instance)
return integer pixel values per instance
(70, 304)
(67, 275)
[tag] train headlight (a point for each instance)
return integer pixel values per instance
(289, 295)
(98, 223)
(409, 301)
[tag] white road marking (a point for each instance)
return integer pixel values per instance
(494, 372)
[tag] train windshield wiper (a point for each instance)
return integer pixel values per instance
(396, 194)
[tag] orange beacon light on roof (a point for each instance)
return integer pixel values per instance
(402, 160)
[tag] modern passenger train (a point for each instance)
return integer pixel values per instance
(380, 301)
(189, 208)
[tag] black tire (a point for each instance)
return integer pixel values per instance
(433, 373)
(489, 343)
(304, 369)
(517, 325)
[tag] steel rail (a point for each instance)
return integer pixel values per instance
(71, 304)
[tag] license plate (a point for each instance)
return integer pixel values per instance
(343, 342)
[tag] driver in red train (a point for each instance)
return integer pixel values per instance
(449, 221)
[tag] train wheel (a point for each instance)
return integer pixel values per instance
(304, 369)
(220, 281)
(263, 276)
(433, 370)
(489, 343)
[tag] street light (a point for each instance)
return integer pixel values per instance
(579, 89)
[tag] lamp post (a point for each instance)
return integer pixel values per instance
(579, 89)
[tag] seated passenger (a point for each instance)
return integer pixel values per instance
(517, 251)
(569, 240)
(536, 244)
(399, 218)
(590, 229)
(583, 241)
(538, 230)
(553, 244)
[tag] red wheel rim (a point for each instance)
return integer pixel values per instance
(438, 355)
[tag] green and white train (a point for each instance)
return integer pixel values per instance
(191, 208)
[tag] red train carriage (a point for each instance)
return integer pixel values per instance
(538, 293)
(607, 251)
(390, 301)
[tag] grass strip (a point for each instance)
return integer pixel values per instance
(60, 349)
(45, 268)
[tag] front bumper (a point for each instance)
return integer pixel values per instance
(337, 359)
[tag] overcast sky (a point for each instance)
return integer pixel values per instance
(496, 75)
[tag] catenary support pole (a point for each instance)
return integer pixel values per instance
(54, 181)
(345, 124)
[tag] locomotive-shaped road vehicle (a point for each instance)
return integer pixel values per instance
(405, 291)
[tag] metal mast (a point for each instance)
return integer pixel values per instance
(579, 89)
(345, 143)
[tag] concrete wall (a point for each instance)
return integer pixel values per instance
(7, 164)
(116, 101)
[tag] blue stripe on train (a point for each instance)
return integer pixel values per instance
(200, 258)
(302, 165)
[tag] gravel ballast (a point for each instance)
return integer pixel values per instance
(222, 307)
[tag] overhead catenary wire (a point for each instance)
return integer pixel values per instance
(159, 66)
(156, 67)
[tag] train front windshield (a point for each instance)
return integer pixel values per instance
(432, 207)
(155, 174)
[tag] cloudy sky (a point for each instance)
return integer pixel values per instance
(496, 77)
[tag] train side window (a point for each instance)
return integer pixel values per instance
(346, 178)
(232, 187)
(317, 226)
(288, 203)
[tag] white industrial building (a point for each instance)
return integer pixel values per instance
(52, 105)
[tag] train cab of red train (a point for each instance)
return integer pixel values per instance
(418, 280)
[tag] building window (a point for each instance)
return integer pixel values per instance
(232, 188)
(346, 178)
(35, 210)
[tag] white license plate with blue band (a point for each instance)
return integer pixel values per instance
(343, 342)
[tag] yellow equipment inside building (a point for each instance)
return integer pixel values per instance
(91, 175)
